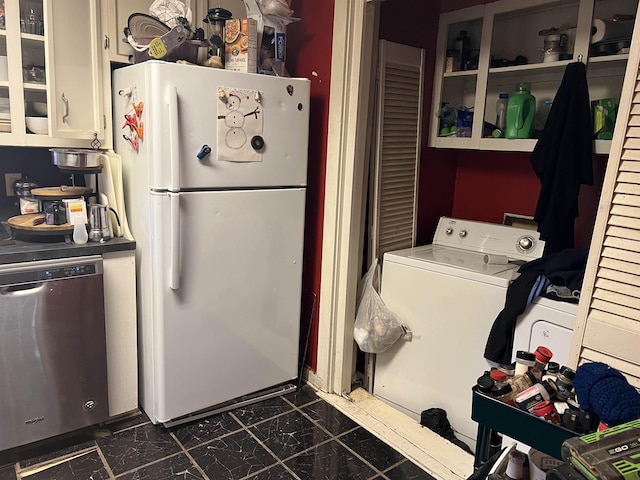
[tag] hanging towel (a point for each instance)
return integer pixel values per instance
(562, 159)
(520, 294)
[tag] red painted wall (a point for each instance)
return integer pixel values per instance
(309, 56)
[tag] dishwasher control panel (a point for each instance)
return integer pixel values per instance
(65, 272)
(29, 273)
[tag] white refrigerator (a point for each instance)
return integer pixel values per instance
(214, 174)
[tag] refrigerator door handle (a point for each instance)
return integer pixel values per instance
(174, 219)
(174, 136)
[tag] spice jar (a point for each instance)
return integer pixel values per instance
(452, 62)
(498, 376)
(547, 411)
(485, 383)
(524, 361)
(504, 393)
(520, 383)
(552, 371)
(543, 355)
(509, 369)
(564, 382)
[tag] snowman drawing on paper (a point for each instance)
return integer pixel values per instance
(236, 136)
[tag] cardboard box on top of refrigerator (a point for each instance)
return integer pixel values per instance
(272, 34)
(241, 45)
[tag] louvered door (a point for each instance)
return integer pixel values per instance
(394, 189)
(608, 323)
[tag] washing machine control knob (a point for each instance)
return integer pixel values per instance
(463, 233)
(525, 243)
(448, 231)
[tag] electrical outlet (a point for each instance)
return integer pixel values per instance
(9, 178)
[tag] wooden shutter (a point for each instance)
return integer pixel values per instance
(608, 322)
(394, 180)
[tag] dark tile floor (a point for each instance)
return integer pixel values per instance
(295, 436)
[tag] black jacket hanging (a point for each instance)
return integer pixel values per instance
(562, 159)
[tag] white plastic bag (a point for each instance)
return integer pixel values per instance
(276, 7)
(376, 327)
(168, 11)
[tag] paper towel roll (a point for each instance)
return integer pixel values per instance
(604, 30)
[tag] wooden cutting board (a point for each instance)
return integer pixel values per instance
(24, 223)
(58, 193)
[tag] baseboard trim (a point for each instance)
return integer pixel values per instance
(436, 455)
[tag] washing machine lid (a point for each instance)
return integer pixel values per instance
(454, 261)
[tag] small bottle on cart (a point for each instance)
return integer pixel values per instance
(552, 371)
(542, 357)
(508, 368)
(520, 383)
(503, 393)
(485, 383)
(564, 382)
(547, 411)
(524, 361)
(498, 376)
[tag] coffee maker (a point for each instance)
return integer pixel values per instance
(99, 227)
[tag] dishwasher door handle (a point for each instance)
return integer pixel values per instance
(21, 289)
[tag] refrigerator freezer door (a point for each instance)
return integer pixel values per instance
(232, 326)
(188, 115)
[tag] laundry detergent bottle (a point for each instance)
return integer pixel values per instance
(521, 110)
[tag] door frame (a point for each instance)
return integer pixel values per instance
(355, 37)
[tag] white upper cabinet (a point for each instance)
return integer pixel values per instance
(75, 90)
(508, 44)
(117, 16)
(54, 93)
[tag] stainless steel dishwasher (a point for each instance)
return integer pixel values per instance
(53, 362)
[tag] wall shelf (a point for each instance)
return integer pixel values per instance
(492, 28)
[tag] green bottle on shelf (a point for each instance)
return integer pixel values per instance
(521, 110)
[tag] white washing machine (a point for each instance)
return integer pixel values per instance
(546, 322)
(449, 297)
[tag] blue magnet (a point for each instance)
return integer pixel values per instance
(204, 151)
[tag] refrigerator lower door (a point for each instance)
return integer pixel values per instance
(229, 326)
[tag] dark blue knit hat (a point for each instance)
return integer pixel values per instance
(605, 391)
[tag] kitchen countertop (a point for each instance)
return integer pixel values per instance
(16, 250)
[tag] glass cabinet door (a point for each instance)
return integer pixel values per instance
(34, 71)
(5, 107)
(23, 87)
(51, 84)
